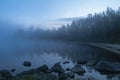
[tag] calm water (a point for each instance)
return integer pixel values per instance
(13, 54)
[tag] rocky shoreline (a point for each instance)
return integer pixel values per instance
(56, 72)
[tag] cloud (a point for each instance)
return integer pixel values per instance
(68, 19)
(53, 24)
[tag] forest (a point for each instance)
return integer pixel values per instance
(99, 27)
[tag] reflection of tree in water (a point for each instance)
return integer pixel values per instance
(71, 50)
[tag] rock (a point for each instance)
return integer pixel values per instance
(43, 68)
(107, 67)
(13, 70)
(71, 74)
(5, 75)
(62, 76)
(66, 62)
(27, 63)
(67, 69)
(37, 77)
(78, 70)
(27, 72)
(57, 68)
(32, 71)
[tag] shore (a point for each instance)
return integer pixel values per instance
(115, 48)
(56, 72)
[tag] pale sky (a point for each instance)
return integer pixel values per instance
(45, 12)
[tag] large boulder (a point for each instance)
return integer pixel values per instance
(5, 75)
(44, 68)
(27, 63)
(57, 68)
(105, 66)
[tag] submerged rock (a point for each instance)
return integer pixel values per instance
(107, 67)
(27, 63)
(57, 68)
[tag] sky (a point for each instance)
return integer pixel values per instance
(47, 13)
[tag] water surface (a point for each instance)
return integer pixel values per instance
(13, 54)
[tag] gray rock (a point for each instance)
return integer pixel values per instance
(44, 68)
(78, 70)
(105, 66)
(71, 74)
(27, 63)
(57, 68)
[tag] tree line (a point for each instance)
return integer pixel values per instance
(98, 27)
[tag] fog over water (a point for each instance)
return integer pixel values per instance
(58, 31)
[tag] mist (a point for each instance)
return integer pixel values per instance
(73, 42)
(7, 30)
